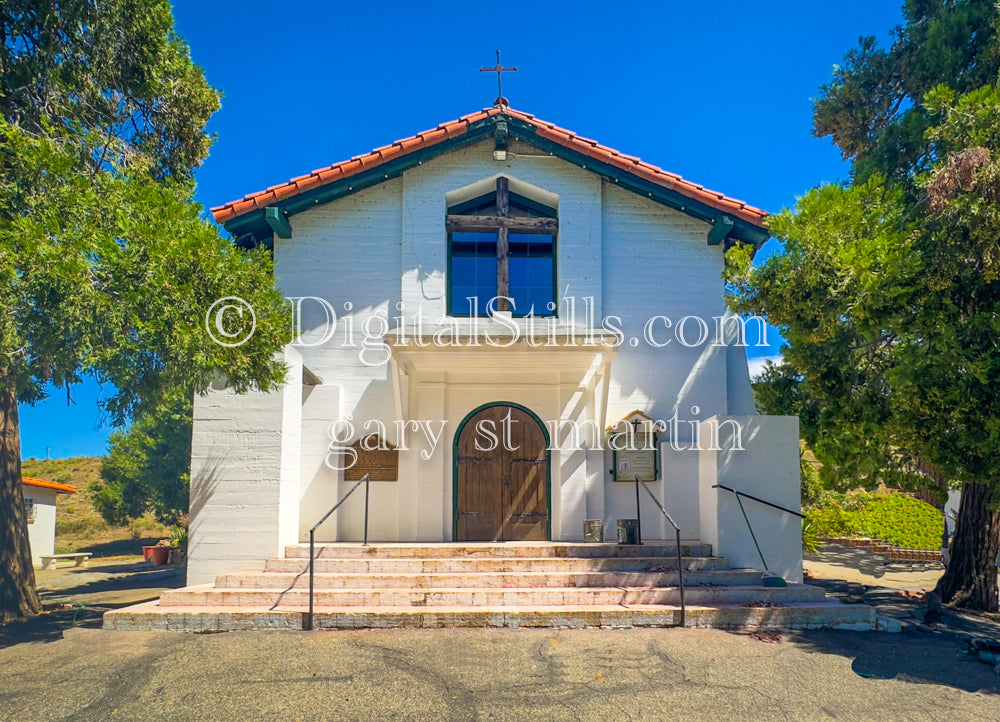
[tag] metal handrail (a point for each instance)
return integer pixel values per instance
(366, 480)
(759, 500)
(747, 519)
(677, 534)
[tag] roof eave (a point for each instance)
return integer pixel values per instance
(742, 230)
(256, 224)
(50, 485)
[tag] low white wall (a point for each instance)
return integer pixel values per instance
(42, 531)
(766, 467)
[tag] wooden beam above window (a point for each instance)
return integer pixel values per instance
(471, 224)
(503, 246)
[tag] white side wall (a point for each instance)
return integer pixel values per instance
(739, 392)
(41, 532)
(657, 263)
(348, 253)
(245, 452)
(680, 494)
(767, 467)
(951, 509)
(659, 269)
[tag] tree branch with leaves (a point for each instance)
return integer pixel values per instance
(107, 266)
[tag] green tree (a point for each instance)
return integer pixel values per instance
(889, 296)
(148, 466)
(107, 267)
(903, 284)
(873, 107)
(855, 451)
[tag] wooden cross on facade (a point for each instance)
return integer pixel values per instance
(500, 101)
(502, 224)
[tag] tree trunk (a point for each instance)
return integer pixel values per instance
(18, 597)
(970, 581)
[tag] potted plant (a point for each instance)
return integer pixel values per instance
(160, 554)
(178, 542)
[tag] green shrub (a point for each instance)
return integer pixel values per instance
(900, 520)
(854, 501)
(830, 521)
(812, 488)
(76, 525)
(810, 537)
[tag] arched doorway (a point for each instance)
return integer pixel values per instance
(501, 475)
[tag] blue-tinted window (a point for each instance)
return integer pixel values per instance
(532, 273)
(473, 272)
(473, 266)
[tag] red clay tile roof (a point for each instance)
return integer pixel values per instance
(554, 133)
(64, 488)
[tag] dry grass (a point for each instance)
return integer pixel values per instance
(78, 525)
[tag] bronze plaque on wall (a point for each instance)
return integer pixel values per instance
(375, 457)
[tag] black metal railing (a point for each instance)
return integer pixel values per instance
(366, 480)
(677, 535)
(747, 519)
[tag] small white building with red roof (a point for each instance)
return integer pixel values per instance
(40, 504)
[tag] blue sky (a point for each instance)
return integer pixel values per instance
(718, 92)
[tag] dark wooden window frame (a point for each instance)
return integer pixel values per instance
(502, 224)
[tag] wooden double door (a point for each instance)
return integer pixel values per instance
(502, 470)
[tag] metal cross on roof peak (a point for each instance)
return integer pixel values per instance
(500, 101)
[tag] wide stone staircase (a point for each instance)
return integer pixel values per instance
(514, 584)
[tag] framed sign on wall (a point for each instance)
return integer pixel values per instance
(635, 449)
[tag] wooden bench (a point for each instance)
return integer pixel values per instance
(49, 560)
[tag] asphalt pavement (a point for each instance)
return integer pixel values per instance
(62, 666)
(463, 674)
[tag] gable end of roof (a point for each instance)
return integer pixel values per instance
(734, 219)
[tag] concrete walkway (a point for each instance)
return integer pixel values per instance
(108, 582)
(895, 589)
(857, 564)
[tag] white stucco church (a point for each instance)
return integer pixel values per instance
(611, 315)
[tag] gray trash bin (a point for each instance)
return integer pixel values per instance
(593, 531)
(628, 531)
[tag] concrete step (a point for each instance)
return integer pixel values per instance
(483, 580)
(805, 615)
(444, 565)
(385, 550)
(208, 595)
(523, 584)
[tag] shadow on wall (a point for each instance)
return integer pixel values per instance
(203, 486)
